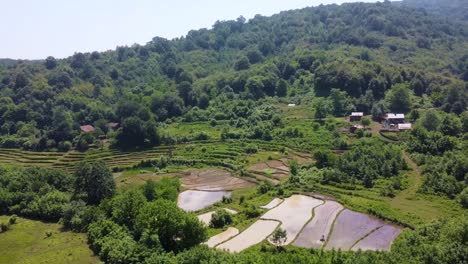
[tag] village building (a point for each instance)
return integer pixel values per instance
(87, 129)
(356, 116)
(405, 126)
(395, 118)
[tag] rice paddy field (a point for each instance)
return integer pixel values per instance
(315, 231)
(211, 169)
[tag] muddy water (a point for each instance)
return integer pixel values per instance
(197, 200)
(255, 234)
(350, 227)
(381, 239)
(319, 226)
(220, 238)
(275, 202)
(293, 214)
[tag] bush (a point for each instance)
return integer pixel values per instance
(220, 219)
(12, 220)
(264, 187)
(64, 146)
(463, 198)
(252, 211)
(226, 200)
(4, 227)
(251, 149)
(241, 199)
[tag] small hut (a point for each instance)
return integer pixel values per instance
(405, 126)
(87, 129)
(356, 116)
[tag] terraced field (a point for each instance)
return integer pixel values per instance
(67, 161)
(314, 223)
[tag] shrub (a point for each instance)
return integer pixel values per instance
(251, 148)
(463, 198)
(4, 227)
(241, 199)
(252, 211)
(226, 200)
(264, 187)
(12, 220)
(220, 219)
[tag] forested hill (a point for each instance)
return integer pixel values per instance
(362, 49)
(452, 9)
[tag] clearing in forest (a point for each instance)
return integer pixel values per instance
(27, 242)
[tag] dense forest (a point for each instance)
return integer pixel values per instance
(366, 51)
(230, 86)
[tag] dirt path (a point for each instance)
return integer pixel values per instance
(414, 178)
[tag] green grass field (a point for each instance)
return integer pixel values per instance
(26, 242)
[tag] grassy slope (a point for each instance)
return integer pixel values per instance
(26, 242)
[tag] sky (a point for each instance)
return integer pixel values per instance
(33, 29)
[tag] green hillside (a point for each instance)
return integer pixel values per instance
(102, 142)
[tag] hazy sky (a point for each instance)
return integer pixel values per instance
(35, 29)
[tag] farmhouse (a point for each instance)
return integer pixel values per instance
(356, 116)
(395, 118)
(405, 126)
(87, 129)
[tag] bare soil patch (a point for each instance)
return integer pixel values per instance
(293, 214)
(213, 180)
(220, 238)
(350, 227)
(380, 239)
(197, 200)
(255, 234)
(319, 227)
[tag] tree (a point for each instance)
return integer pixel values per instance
(242, 64)
(134, 132)
(430, 120)
(365, 121)
(279, 237)
(378, 110)
(220, 219)
(323, 158)
(94, 180)
(322, 108)
(340, 102)
(50, 63)
(463, 198)
(281, 88)
(185, 92)
(125, 207)
(399, 98)
(176, 229)
(255, 86)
